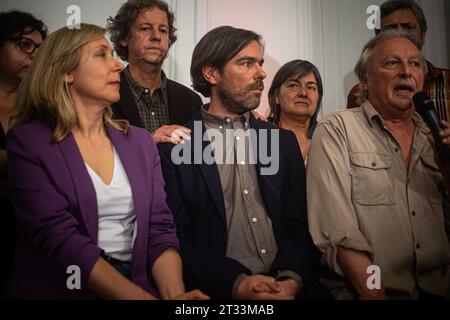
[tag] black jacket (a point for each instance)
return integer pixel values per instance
(195, 196)
(183, 103)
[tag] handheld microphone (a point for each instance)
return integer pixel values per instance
(425, 107)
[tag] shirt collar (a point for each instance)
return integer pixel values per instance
(143, 90)
(216, 120)
(373, 117)
(371, 114)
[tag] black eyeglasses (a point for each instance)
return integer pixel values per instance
(26, 45)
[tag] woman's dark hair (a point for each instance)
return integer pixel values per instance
(215, 49)
(17, 23)
(294, 69)
(119, 27)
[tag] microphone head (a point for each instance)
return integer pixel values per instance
(422, 102)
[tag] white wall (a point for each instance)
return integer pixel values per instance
(329, 33)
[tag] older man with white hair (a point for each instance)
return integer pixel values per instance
(376, 196)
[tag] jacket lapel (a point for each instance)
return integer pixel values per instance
(175, 112)
(209, 172)
(267, 185)
(84, 187)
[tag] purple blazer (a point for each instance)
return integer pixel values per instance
(56, 208)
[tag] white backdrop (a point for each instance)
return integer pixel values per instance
(329, 33)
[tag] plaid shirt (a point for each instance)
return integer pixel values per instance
(153, 107)
(437, 86)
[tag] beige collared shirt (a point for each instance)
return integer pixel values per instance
(362, 196)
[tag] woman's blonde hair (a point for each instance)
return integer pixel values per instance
(44, 94)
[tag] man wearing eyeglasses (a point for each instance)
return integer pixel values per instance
(142, 32)
(21, 34)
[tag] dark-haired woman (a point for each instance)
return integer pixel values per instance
(21, 34)
(295, 97)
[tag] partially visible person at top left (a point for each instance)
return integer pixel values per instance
(87, 190)
(21, 34)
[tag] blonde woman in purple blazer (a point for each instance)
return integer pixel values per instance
(87, 190)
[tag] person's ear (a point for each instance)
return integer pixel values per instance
(123, 42)
(69, 78)
(211, 74)
(363, 86)
(276, 94)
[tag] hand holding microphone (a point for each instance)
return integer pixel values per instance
(440, 130)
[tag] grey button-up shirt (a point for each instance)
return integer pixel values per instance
(251, 239)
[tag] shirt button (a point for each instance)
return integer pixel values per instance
(153, 114)
(146, 90)
(254, 219)
(220, 127)
(374, 164)
(413, 213)
(237, 138)
(418, 246)
(227, 120)
(245, 191)
(242, 163)
(263, 251)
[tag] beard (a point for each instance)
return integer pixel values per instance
(241, 102)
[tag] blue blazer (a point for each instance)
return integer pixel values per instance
(56, 207)
(195, 196)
